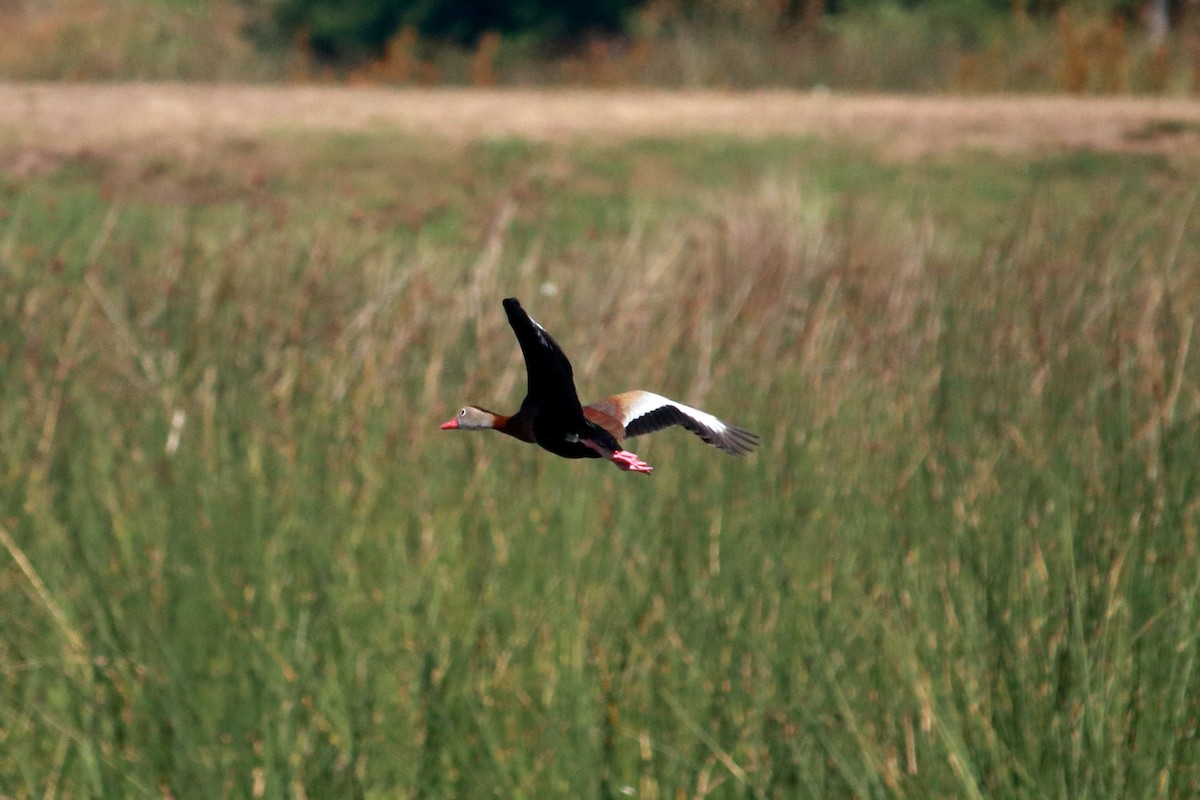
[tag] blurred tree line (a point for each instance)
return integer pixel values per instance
(335, 28)
(341, 29)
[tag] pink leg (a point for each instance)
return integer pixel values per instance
(624, 459)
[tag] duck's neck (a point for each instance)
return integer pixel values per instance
(517, 426)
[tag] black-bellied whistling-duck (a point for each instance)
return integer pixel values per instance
(551, 415)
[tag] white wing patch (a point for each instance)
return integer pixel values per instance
(645, 402)
(646, 412)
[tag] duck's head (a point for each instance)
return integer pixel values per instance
(471, 418)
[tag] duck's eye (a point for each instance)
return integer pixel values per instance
(462, 413)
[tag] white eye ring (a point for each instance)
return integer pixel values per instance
(462, 413)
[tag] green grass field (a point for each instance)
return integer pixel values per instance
(240, 560)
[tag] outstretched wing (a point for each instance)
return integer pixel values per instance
(551, 380)
(645, 412)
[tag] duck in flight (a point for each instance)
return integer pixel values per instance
(552, 417)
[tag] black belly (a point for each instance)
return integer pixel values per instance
(564, 441)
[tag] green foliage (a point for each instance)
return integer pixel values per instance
(931, 46)
(240, 560)
(949, 8)
(335, 28)
(959, 24)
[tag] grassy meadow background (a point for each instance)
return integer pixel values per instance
(240, 560)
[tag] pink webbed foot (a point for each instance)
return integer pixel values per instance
(630, 462)
(624, 459)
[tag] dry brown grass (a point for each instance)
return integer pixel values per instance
(1095, 56)
(58, 118)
